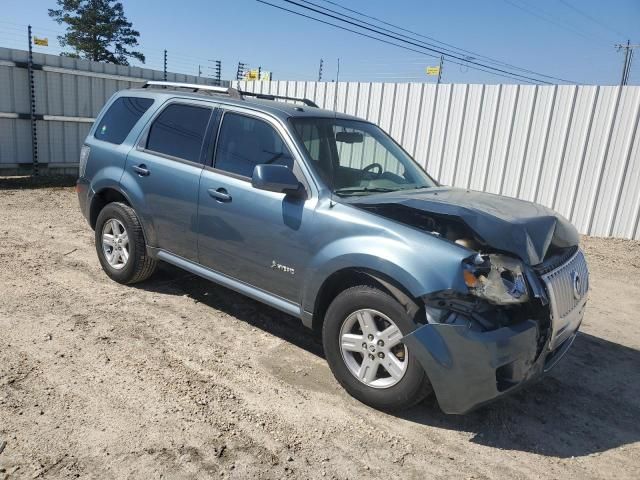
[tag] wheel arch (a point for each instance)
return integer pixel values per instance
(101, 199)
(345, 278)
(110, 193)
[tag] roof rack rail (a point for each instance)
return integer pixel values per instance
(232, 92)
(268, 96)
(195, 87)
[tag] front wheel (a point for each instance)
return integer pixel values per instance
(362, 336)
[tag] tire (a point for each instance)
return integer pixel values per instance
(138, 265)
(387, 392)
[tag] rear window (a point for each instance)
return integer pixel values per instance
(179, 131)
(122, 115)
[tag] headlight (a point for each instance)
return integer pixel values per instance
(499, 279)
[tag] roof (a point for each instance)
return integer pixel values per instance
(282, 110)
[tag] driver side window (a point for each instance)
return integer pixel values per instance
(245, 142)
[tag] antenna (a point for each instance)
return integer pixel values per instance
(335, 93)
(332, 203)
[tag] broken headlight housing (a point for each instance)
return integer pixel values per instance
(498, 279)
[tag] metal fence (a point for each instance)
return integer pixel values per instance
(68, 94)
(575, 149)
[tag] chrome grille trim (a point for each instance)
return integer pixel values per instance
(560, 287)
(555, 261)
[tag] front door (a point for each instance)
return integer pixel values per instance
(261, 238)
(166, 167)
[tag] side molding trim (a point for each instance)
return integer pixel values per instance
(240, 287)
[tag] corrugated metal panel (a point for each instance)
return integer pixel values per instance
(78, 91)
(412, 116)
(599, 143)
(573, 148)
(538, 142)
(616, 163)
(437, 136)
(453, 137)
(518, 142)
(627, 217)
(467, 141)
(424, 127)
(485, 136)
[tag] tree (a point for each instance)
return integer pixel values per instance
(97, 30)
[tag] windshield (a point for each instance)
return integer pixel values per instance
(358, 158)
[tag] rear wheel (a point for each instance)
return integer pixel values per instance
(362, 336)
(120, 244)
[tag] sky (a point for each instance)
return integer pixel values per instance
(568, 39)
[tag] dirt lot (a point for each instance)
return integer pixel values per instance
(179, 378)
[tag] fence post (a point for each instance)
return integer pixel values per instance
(32, 103)
(165, 65)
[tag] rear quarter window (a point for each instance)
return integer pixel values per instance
(120, 118)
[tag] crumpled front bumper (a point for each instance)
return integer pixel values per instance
(469, 368)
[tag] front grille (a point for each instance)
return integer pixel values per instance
(567, 285)
(555, 260)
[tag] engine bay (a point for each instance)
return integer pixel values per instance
(445, 226)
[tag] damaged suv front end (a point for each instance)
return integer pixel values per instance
(493, 287)
(479, 346)
(526, 287)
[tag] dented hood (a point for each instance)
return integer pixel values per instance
(522, 228)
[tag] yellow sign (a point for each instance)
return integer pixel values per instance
(257, 74)
(433, 70)
(43, 42)
(252, 75)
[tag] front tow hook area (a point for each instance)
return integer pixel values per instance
(468, 368)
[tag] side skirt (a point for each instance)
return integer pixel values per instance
(219, 278)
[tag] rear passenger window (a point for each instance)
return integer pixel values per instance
(245, 142)
(122, 115)
(179, 131)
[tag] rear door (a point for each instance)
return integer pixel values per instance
(165, 168)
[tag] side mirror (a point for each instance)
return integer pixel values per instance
(276, 178)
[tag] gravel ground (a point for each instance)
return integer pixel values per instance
(180, 378)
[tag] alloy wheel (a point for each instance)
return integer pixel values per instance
(115, 243)
(371, 347)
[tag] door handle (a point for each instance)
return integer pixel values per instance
(141, 170)
(220, 194)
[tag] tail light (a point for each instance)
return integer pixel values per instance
(84, 156)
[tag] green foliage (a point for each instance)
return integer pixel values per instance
(97, 30)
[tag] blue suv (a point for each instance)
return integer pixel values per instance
(415, 287)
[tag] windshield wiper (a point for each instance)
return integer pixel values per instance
(356, 190)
